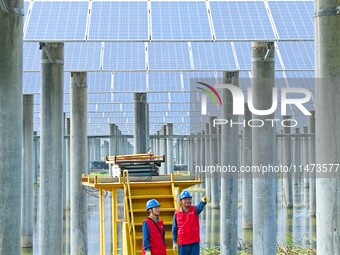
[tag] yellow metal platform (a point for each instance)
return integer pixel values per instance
(137, 190)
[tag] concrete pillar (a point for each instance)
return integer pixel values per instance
(140, 123)
(106, 149)
(170, 148)
(68, 162)
(191, 153)
(247, 182)
(163, 150)
(36, 156)
(181, 150)
(229, 181)
(51, 153)
(202, 156)
(119, 142)
(78, 109)
(207, 161)
(215, 198)
(11, 126)
(279, 149)
(263, 143)
(305, 158)
(113, 140)
(287, 161)
(296, 156)
(219, 139)
(112, 144)
(158, 142)
(312, 180)
(27, 182)
(92, 149)
(98, 154)
(198, 151)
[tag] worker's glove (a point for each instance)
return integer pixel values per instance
(147, 252)
(205, 199)
(175, 247)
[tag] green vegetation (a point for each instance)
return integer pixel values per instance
(284, 249)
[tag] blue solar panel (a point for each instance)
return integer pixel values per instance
(82, 56)
(191, 77)
(132, 82)
(168, 56)
(297, 55)
(241, 20)
(57, 20)
(31, 83)
(31, 57)
(117, 105)
(293, 19)
(99, 82)
(164, 81)
(119, 20)
(180, 20)
(99, 98)
(243, 52)
(26, 5)
(304, 74)
(214, 56)
(162, 98)
(124, 56)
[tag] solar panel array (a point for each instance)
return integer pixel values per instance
(158, 47)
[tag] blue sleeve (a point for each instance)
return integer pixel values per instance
(174, 229)
(199, 208)
(146, 236)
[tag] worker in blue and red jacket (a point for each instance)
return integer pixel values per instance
(153, 231)
(186, 227)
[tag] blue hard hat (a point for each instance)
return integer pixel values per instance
(151, 204)
(185, 194)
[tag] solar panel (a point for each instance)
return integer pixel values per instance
(293, 19)
(243, 52)
(214, 56)
(301, 74)
(31, 83)
(131, 82)
(119, 20)
(169, 56)
(297, 55)
(57, 20)
(117, 69)
(26, 5)
(31, 56)
(98, 82)
(80, 56)
(124, 56)
(241, 20)
(180, 21)
(164, 81)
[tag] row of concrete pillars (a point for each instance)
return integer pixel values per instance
(62, 161)
(327, 55)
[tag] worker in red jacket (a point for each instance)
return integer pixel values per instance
(153, 231)
(185, 225)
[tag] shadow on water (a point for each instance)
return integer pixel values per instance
(294, 225)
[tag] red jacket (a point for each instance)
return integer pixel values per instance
(156, 241)
(188, 226)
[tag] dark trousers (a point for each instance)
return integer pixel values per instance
(189, 249)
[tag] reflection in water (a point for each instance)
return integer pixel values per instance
(288, 225)
(305, 240)
(294, 225)
(215, 227)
